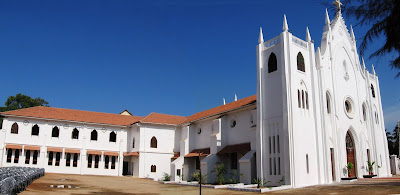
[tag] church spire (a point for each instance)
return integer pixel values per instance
(308, 37)
(285, 26)
(327, 21)
(261, 37)
(373, 70)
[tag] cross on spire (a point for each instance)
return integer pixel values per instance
(338, 5)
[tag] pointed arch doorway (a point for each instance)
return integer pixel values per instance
(351, 154)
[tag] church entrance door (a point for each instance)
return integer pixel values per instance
(350, 150)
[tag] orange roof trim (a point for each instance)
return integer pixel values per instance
(74, 115)
(221, 109)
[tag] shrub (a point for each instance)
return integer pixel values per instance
(166, 177)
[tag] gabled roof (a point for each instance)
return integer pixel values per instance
(74, 115)
(222, 109)
(159, 118)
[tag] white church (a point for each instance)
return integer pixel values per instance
(315, 111)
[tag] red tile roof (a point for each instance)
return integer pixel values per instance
(74, 115)
(221, 109)
(159, 118)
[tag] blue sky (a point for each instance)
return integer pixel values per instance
(176, 57)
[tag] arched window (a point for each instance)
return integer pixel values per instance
(89, 161)
(272, 63)
(68, 160)
(75, 162)
(96, 161)
(153, 143)
(133, 143)
(93, 135)
(35, 130)
(153, 168)
(372, 90)
(306, 100)
(300, 62)
(302, 98)
(58, 156)
(113, 137)
(107, 160)
(328, 103)
(27, 157)
(75, 134)
(16, 156)
(298, 98)
(50, 162)
(364, 113)
(113, 162)
(35, 156)
(9, 155)
(55, 132)
(14, 128)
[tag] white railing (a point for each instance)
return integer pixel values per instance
(299, 42)
(272, 42)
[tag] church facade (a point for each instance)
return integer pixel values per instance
(315, 111)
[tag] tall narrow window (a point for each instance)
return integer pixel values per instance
(306, 100)
(9, 155)
(96, 161)
(153, 143)
(35, 130)
(328, 103)
(272, 63)
(75, 162)
(364, 113)
(133, 143)
(14, 128)
(273, 143)
(16, 156)
(372, 90)
(234, 161)
(55, 132)
(277, 143)
(93, 135)
(113, 137)
(27, 157)
(50, 162)
(302, 98)
(68, 160)
(35, 156)
(279, 165)
(298, 98)
(308, 167)
(270, 166)
(89, 161)
(300, 62)
(75, 134)
(58, 157)
(113, 162)
(107, 161)
(153, 168)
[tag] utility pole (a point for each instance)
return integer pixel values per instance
(200, 171)
(398, 136)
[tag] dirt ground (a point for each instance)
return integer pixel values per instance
(87, 184)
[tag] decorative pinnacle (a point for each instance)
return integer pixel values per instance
(308, 37)
(373, 70)
(352, 33)
(363, 63)
(327, 21)
(261, 38)
(285, 25)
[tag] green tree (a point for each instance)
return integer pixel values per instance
(20, 101)
(383, 18)
(393, 140)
